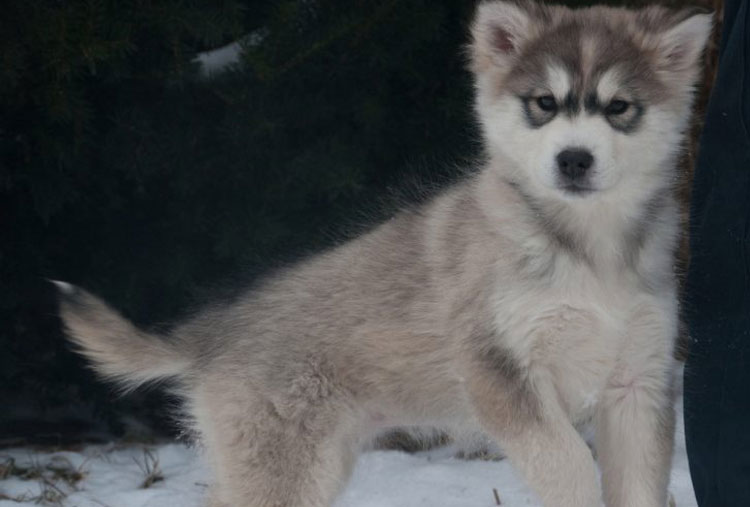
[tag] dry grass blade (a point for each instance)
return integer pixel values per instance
(497, 497)
(59, 470)
(150, 468)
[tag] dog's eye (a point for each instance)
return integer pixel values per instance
(616, 107)
(547, 103)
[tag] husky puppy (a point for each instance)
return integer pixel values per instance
(534, 296)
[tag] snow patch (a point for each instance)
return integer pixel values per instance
(224, 58)
(116, 476)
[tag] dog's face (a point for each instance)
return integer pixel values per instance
(577, 102)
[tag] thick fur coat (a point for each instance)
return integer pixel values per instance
(527, 300)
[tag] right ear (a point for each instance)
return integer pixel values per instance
(499, 30)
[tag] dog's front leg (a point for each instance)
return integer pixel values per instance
(635, 422)
(536, 435)
(634, 436)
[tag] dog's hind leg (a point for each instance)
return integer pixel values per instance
(266, 458)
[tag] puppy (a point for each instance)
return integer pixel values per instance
(530, 298)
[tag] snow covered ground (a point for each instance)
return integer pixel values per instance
(173, 475)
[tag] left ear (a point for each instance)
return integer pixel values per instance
(679, 48)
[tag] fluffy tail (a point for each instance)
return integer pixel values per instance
(117, 348)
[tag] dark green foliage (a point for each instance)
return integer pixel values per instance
(124, 171)
(70, 71)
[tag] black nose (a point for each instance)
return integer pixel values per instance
(574, 164)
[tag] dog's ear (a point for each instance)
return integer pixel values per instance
(680, 44)
(500, 29)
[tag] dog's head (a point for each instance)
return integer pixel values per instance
(576, 102)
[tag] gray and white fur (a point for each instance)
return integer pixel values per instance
(533, 297)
